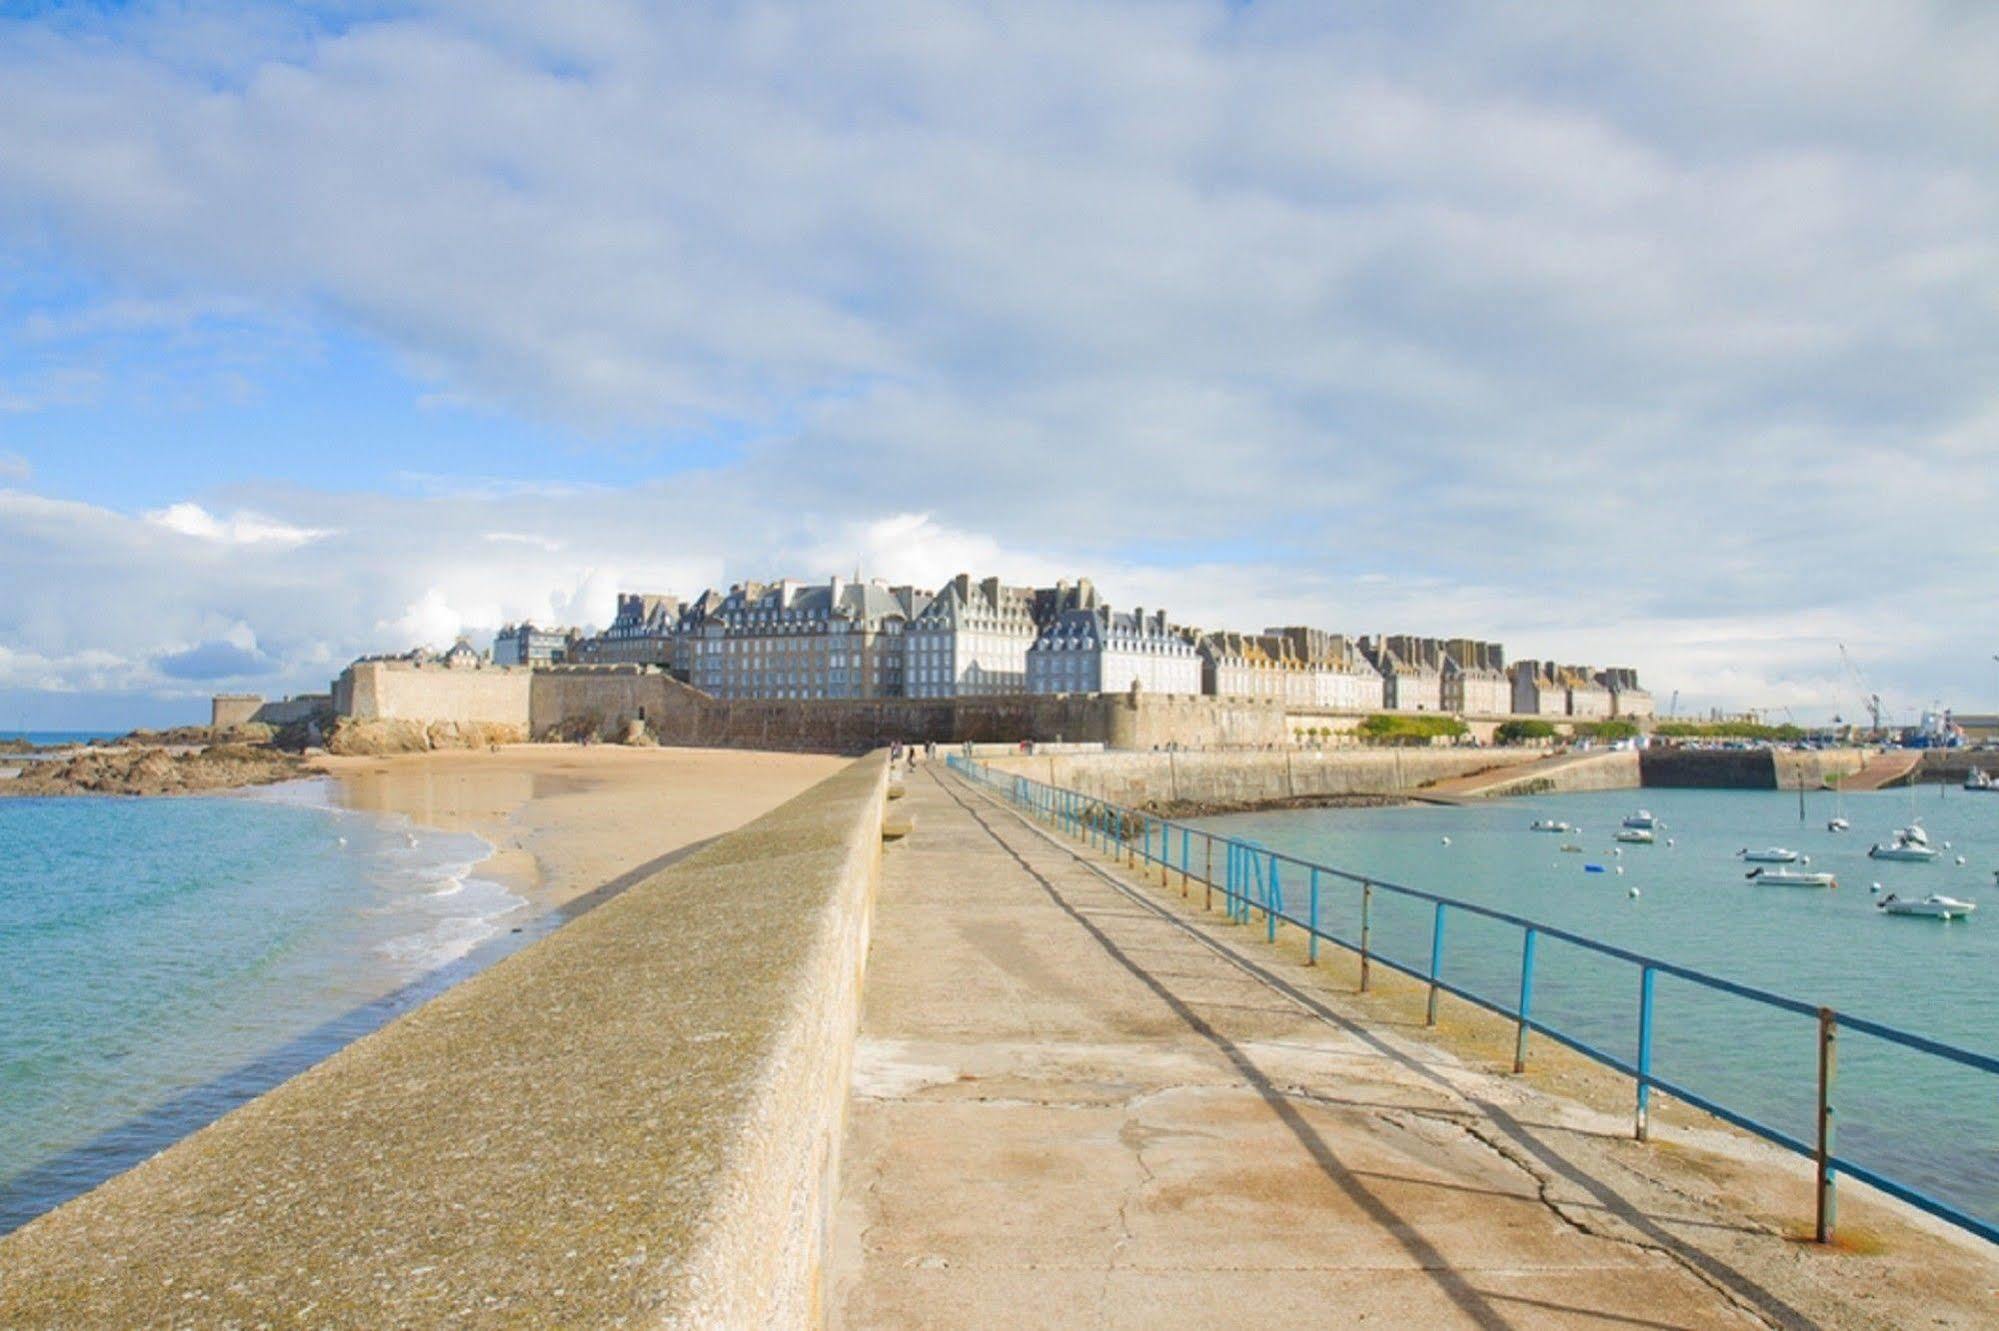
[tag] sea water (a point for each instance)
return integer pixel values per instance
(1917, 1118)
(163, 960)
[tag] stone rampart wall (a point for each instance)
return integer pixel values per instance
(602, 700)
(400, 691)
(633, 1122)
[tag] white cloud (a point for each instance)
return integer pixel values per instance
(1647, 339)
(240, 528)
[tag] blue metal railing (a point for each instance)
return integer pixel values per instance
(1253, 879)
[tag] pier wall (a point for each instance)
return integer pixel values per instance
(635, 1121)
(1168, 782)
(1747, 769)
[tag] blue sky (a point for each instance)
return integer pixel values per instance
(1664, 336)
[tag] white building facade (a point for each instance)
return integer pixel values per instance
(970, 640)
(1104, 651)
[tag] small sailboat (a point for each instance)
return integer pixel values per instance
(1637, 836)
(1643, 821)
(1550, 825)
(1791, 878)
(1911, 843)
(1768, 855)
(1934, 906)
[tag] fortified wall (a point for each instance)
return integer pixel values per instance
(429, 693)
(230, 711)
(573, 701)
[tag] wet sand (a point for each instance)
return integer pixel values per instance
(565, 819)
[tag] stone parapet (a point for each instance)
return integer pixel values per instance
(634, 1121)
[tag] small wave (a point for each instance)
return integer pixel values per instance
(450, 936)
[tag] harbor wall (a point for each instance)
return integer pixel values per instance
(1607, 769)
(635, 1121)
(1747, 769)
(1171, 782)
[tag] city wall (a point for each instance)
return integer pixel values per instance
(635, 1121)
(433, 694)
(230, 711)
(569, 702)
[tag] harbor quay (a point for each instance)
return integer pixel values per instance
(899, 1053)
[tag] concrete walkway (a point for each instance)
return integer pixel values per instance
(1076, 1106)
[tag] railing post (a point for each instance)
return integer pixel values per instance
(1273, 901)
(1828, 1197)
(1312, 930)
(1366, 914)
(1208, 874)
(1186, 843)
(1526, 1000)
(1436, 962)
(1645, 986)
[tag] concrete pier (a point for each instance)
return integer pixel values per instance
(1078, 1101)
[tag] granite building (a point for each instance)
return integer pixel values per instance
(1099, 650)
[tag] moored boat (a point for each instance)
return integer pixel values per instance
(1791, 878)
(1980, 780)
(1642, 821)
(1768, 855)
(1550, 825)
(1934, 906)
(1911, 844)
(1637, 836)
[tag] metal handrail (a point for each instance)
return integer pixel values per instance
(1253, 879)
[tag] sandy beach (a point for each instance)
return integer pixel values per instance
(565, 819)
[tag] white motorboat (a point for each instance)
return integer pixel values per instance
(1637, 836)
(1911, 843)
(1791, 878)
(1837, 825)
(1768, 855)
(1980, 779)
(1643, 821)
(1933, 906)
(1550, 825)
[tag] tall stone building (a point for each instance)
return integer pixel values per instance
(1628, 701)
(645, 631)
(787, 639)
(1099, 650)
(972, 638)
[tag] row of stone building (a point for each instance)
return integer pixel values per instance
(853, 639)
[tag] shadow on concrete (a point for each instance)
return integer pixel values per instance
(76, 1171)
(1476, 1304)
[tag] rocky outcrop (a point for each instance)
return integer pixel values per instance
(374, 738)
(155, 771)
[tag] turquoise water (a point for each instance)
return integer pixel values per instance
(51, 737)
(1922, 1120)
(163, 960)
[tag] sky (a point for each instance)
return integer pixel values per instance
(1652, 335)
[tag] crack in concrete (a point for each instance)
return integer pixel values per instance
(1544, 1185)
